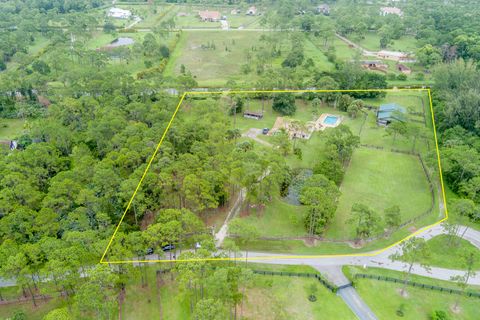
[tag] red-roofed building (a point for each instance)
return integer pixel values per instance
(212, 16)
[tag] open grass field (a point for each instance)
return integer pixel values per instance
(445, 253)
(372, 42)
(313, 51)
(10, 128)
(279, 218)
(384, 297)
(380, 179)
(268, 297)
(213, 66)
(276, 297)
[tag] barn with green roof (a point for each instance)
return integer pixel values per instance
(387, 113)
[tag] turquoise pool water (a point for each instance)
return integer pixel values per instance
(330, 120)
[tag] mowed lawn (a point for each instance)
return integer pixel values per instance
(380, 179)
(279, 218)
(213, 66)
(448, 253)
(277, 297)
(384, 299)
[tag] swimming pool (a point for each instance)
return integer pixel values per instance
(330, 120)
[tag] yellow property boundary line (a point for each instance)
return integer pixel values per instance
(273, 257)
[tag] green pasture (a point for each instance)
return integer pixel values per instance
(384, 299)
(371, 42)
(380, 179)
(448, 253)
(11, 128)
(213, 66)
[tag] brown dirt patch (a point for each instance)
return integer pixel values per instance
(310, 242)
(259, 304)
(148, 219)
(455, 309)
(412, 229)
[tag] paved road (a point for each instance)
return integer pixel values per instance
(349, 295)
(356, 304)
(330, 266)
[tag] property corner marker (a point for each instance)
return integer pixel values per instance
(272, 256)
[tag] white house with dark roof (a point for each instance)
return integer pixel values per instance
(119, 13)
(385, 11)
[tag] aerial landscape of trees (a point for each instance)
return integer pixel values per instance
(80, 120)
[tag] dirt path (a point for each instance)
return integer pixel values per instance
(253, 134)
(222, 233)
(356, 46)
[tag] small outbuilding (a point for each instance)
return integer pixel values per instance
(253, 115)
(385, 11)
(404, 69)
(390, 112)
(374, 65)
(251, 11)
(210, 16)
(323, 9)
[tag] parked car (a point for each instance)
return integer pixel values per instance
(168, 247)
(265, 130)
(149, 251)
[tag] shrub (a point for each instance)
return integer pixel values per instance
(439, 315)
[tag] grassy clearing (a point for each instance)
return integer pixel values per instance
(312, 51)
(276, 297)
(213, 66)
(372, 42)
(269, 297)
(11, 128)
(329, 248)
(279, 219)
(33, 313)
(451, 258)
(384, 297)
(343, 51)
(380, 179)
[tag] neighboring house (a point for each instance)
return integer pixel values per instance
(385, 11)
(387, 113)
(374, 65)
(119, 13)
(392, 55)
(404, 69)
(235, 11)
(323, 9)
(210, 16)
(252, 11)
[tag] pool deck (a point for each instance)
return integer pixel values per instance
(320, 123)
